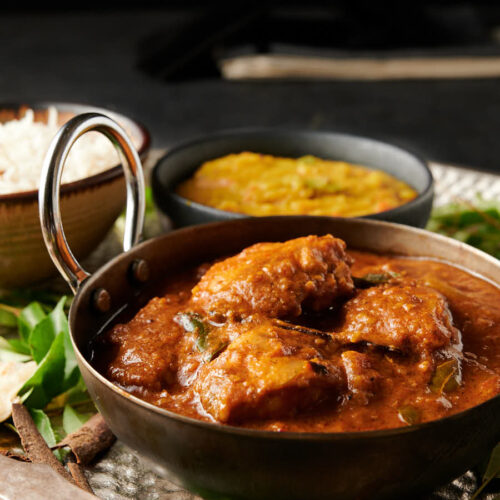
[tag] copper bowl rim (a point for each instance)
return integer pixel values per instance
(107, 175)
(284, 435)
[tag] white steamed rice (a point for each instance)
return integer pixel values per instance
(24, 142)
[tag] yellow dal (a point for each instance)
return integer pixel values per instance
(257, 184)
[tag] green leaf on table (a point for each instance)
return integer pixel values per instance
(492, 471)
(29, 317)
(42, 422)
(493, 468)
(72, 420)
(78, 393)
(46, 382)
(8, 353)
(57, 371)
(7, 317)
(44, 426)
(477, 224)
(19, 346)
(45, 331)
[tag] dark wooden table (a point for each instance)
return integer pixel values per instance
(92, 58)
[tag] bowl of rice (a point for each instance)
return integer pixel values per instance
(92, 192)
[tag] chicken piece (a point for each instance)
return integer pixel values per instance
(363, 381)
(268, 372)
(277, 279)
(411, 318)
(144, 352)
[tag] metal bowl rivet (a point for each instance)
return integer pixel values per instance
(140, 270)
(101, 300)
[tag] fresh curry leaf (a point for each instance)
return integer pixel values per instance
(57, 371)
(29, 317)
(45, 331)
(8, 353)
(7, 316)
(493, 468)
(477, 224)
(44, 426)
(492, 471)
(19, 346)
(46, 382)
(71, 370)
(78, 393)
(72, 420)
(42, 422)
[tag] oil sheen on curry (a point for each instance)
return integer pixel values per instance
(305, 336)
(258, 184)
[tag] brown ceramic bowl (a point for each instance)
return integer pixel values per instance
(90, 206)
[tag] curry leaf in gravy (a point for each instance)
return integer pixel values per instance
(409, 414)
(374, 279)
(193, 323)
(446, 377)
(213, 353)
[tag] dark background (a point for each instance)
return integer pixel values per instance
(157, 62)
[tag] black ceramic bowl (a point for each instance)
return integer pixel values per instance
(181, 162)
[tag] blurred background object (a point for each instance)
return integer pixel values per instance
(423, 75)
(329, 40)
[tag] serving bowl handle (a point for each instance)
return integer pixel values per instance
(48, 196)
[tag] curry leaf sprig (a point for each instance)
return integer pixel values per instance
(477, 224)
(39, 332)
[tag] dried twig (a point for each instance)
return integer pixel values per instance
(76, 471)
(92, 438)
(15, 456)
(33, 443)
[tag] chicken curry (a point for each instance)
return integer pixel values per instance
(307, 336)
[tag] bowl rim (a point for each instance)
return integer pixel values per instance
(109, 174)
(265, 434)
(293, 132)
